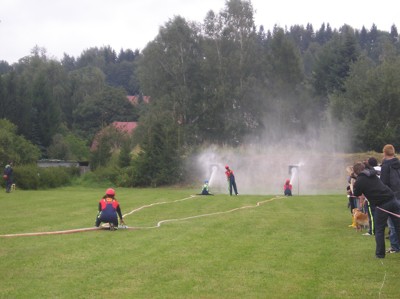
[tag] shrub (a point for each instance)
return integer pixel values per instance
(14, 147)
(125, 177)
(29, 177)
(100, 177)
(89, 179)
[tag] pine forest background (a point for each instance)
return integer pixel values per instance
(224, 81)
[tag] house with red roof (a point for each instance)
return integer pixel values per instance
(134, 100)
(127, 127)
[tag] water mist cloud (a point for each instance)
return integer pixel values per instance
(262, 167)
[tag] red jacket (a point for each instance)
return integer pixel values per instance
(228, 173)
(287, 185)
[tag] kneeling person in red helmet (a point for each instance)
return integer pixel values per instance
(109, 209)
(287, 188)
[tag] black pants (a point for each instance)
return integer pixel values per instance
(288, 192)
(8, 186)
(371, 218)
(381, 218)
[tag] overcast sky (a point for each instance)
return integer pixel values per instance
(72, 26)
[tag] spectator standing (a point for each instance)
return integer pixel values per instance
(390, 176)
(8, 177)
(382, 197)
(390, 169)
(353, 200)
(371, 162)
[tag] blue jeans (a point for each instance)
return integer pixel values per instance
(353, 203)
(232, 183)
(381, 218)
(394, 240)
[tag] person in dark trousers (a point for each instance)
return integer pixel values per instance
(287, 188)
(390, 169)
(382, 198)
(231, 180)
(390, 176)
(371, 162)
(8, 177)
(352, 203)
(108, 210)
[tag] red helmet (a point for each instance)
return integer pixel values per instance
(110, 191)
(227, 167)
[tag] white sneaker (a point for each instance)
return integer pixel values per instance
(367, 234)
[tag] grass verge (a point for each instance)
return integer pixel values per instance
(293, 247)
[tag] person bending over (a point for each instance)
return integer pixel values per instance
(382, 198)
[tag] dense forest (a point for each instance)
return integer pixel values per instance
(223, 81)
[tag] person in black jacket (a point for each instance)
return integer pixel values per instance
(8, 177)
(382, 197)
(390, 169)
(372, 163)
(390, 176)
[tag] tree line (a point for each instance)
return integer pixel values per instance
(222, 81)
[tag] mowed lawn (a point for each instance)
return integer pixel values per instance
(189, 247)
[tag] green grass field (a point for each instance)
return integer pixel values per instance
(298, 247)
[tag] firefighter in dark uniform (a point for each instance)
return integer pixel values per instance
(231, 180)
(287, 188)
(109, 209)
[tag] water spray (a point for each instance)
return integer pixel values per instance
(293, 171)
(213, 170)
